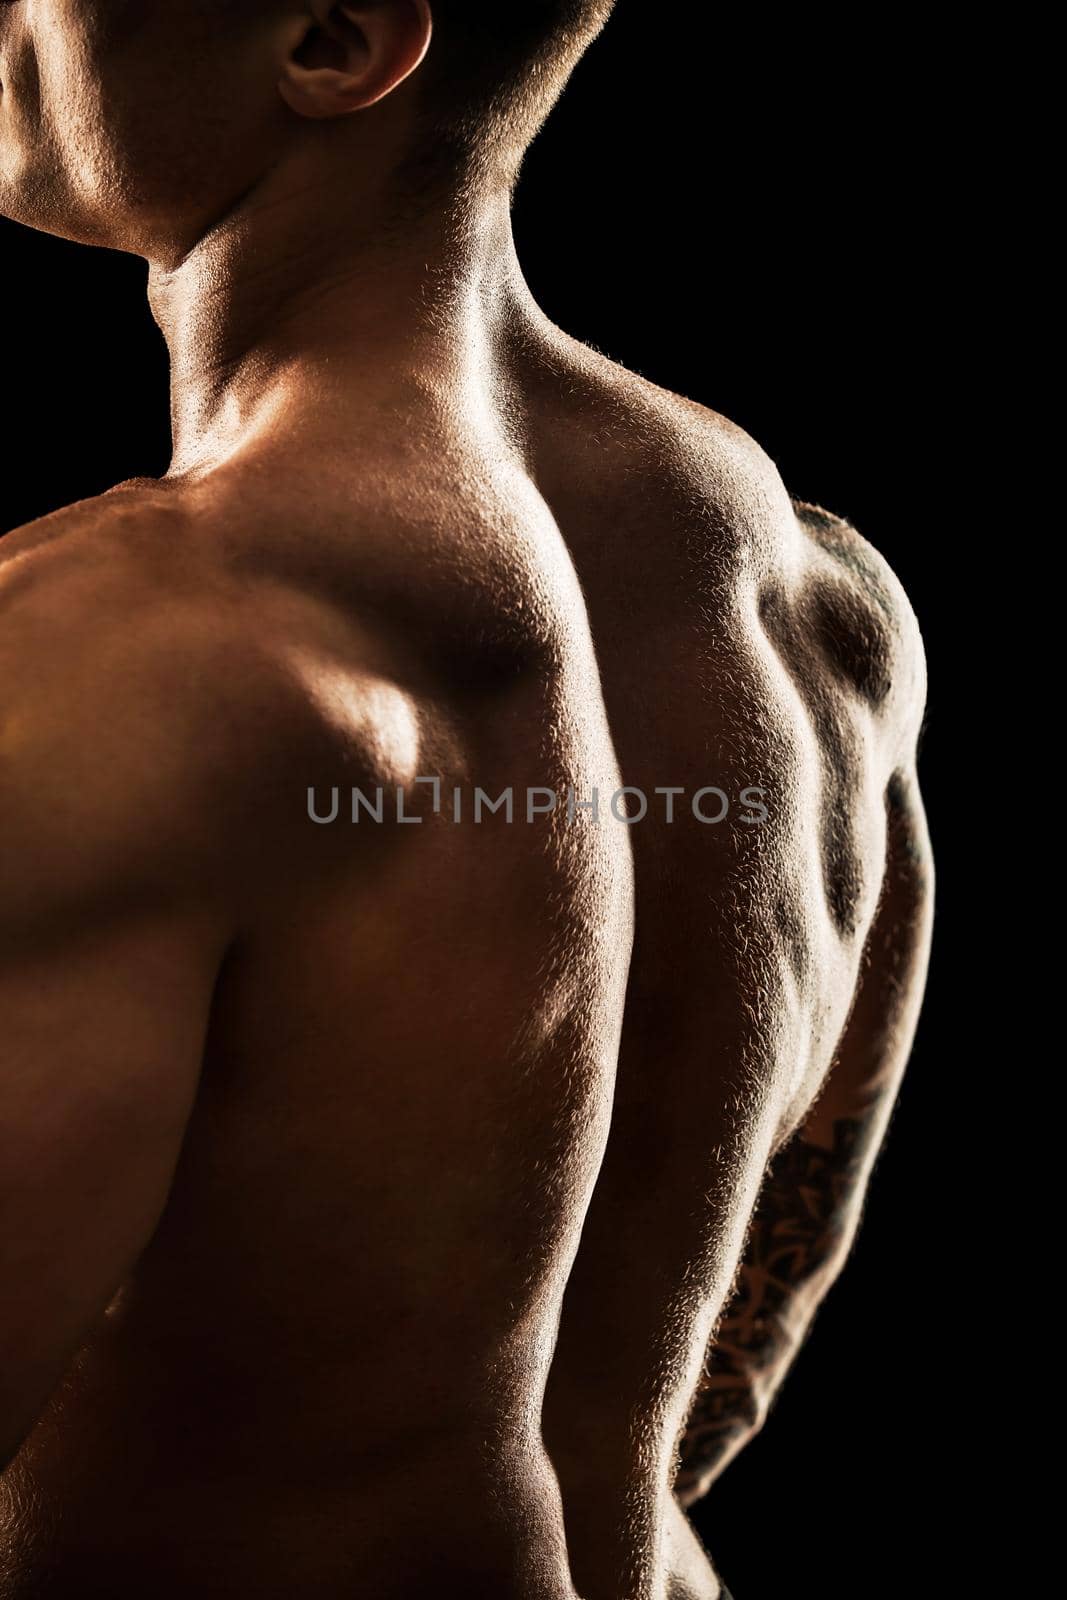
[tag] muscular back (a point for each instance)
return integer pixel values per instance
(746, 642)
(327, 1362)
(339, 1327)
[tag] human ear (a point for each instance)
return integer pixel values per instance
(345, 55)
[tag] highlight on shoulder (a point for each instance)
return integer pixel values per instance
(157, 718)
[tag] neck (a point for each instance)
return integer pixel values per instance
(291, 299)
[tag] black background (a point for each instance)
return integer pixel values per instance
(767, 218)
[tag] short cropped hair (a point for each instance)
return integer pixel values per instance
(497, 67)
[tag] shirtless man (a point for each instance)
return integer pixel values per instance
(303, 1121)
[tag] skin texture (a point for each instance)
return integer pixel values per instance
(809, 1210)
(369, 1194)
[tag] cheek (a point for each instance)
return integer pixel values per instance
(57, 166)
(96, 117)
(46, 105)
(70, 92)
(120, 123)
(20, 100)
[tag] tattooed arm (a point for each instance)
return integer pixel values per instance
(809, 1210)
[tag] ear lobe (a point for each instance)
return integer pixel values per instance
(319, 92)
(353, 55)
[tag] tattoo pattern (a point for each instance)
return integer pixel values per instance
(804, 1215)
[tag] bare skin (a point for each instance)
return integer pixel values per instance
(302, 1124)
(784, 654)
(810, 1207)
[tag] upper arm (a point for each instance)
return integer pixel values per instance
(869, 638)
(841, 650)
(876, 1043)
(104, 1022)
(116, 910)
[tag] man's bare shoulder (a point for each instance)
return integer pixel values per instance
(156, 716)
(113, 598)
(710, 506)
(662, 459)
